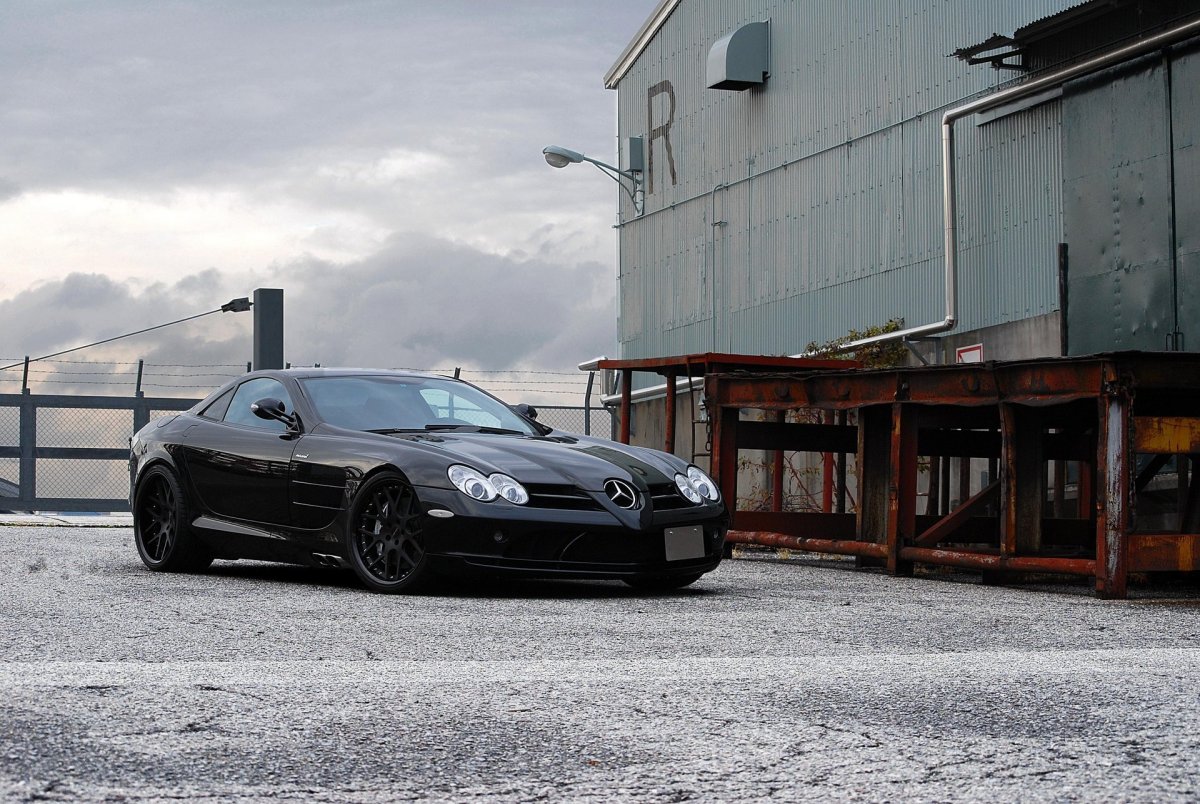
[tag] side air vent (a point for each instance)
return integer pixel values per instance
(739, 61)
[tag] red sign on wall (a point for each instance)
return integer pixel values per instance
(969, 354)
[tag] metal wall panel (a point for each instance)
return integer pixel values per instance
(1185, 120)
(1117, 212)
(813, 204)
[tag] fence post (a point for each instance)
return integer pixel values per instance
(587, 405)
(25, 377)
(138, 391)
(27, 477)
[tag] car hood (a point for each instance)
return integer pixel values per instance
(582, 462)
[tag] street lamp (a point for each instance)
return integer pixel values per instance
(559, 157)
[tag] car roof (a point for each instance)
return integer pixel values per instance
(308, 373)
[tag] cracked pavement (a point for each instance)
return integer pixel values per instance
(766, 681)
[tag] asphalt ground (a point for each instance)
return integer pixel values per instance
(767, 680)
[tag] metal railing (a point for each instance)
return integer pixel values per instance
(71, 453)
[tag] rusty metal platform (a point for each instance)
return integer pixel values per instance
(1104, 426)
(701, 365)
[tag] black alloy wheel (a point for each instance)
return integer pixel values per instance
(161, 528)
(386, 541)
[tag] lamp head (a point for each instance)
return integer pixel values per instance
(559, 157)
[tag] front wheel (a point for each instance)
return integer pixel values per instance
(162, 525)
(385, 539)
(662, 583)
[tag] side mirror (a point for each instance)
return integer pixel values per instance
(528, 411)
(272, 409)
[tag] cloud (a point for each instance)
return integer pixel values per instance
(419, 302)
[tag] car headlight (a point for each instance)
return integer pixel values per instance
(687, 489)
(704, 484)
(509, 489)
(472, 483)
(485, 489)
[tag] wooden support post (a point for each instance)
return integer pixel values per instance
(827, 472)
(626, 405)
(724, 459)
(902, 486)
(874, 445)
(964, 479)
(777, 469)
(933, 494)
(841, 470)
(944, 487)
(669, 441)
(1113, 497)
(1022, 480)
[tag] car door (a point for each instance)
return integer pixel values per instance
(240, 465)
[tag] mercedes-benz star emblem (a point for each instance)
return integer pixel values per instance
(621, 493)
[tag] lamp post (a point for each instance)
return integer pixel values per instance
(559, 157)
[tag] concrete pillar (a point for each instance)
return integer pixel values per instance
(268, 328)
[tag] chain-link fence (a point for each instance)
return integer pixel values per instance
(71, 453)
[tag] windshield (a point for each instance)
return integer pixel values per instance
(403, 404)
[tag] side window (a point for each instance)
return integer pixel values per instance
(216, 409)
(251, 391)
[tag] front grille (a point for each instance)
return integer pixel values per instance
(561, 497)
(665, 497)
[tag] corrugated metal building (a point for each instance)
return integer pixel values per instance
(810, 202)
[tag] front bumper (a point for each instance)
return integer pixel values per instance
(503, 538)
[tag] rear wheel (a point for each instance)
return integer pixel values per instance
(662, 583)
(386, 541)
(161, 525)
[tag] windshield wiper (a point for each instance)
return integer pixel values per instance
(393, 430)
(473, 428)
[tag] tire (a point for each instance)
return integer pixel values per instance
(162, 525)
(385, 538)
(662, 583)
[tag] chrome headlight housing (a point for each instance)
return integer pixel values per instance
(688, 489)
(704, 484)
(485, 489)
(509, 489)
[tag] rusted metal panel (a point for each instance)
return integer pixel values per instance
(1022, 480)
(1177, 552)
(669, 437)
(1036, 417)
(902, 487)
(772, 538)
(1166, 435)
(874, 440)
(995, 562)
(1112, 514)
(626, 403)
(716, 362)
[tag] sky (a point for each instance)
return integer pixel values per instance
(379, 161)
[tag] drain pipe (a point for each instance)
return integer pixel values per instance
(949, 199)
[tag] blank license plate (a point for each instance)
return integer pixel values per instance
(684, 543)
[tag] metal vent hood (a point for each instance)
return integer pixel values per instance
(739, 60)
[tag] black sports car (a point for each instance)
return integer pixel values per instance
(401, 476)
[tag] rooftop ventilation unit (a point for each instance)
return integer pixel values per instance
(739, 61)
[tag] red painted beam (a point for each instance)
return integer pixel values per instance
(837, 547)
